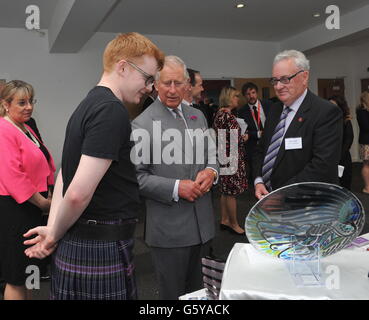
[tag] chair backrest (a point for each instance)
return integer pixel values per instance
(212, 270)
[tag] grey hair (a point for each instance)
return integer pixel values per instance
(298, 57)
(174, 61)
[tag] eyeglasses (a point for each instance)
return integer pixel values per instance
(149, 79)
(284, 79)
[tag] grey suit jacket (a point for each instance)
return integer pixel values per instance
(171, 224)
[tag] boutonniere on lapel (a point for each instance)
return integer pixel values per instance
(193, 117)
(300, 119)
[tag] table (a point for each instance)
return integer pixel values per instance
(249, 274)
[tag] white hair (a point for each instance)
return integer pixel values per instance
(174, 61)
(298, 57)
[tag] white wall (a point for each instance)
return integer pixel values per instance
(217, 58)
(62, 80)
(360, 64)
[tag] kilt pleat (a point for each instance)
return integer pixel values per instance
(93, 270)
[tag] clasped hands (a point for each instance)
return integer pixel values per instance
(191, 190)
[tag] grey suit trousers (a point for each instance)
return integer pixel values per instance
(178, 270)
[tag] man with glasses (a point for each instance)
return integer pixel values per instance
(302, 135)
(96, 197)
(180, 219)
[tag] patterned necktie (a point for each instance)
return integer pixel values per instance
(273, 149)
(179, 118)
(188, 143)
(258, 124)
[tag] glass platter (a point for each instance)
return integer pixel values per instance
(303, 216)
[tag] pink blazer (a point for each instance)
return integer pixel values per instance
(24, 169)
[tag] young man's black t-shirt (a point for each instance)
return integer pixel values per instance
(100, 128)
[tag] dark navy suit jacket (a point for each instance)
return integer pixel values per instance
(319, 124)
(245, 113)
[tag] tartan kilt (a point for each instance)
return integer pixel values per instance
(93, 270)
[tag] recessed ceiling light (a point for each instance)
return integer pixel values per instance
(240, 5)
(316, 15)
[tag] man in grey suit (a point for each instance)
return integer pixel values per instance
(180, 220)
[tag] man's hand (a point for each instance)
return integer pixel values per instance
(205, 178)
(260, 191)
(189, 190)
(43, 244)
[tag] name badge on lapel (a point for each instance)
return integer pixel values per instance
(293, 143)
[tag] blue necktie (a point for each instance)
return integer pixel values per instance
(273, 149)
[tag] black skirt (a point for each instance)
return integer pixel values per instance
(15, 220)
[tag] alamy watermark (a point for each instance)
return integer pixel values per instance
(333, 20)
(33, 280)
(332, 281)
(33, 18)
(198, 146)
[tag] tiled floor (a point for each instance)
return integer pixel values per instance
(222, 244)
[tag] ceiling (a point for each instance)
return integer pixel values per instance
(262, 20)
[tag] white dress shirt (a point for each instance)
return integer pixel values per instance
(176, 185)
(262, 114)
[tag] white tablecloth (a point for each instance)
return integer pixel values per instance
(249, 274)
(196, 295)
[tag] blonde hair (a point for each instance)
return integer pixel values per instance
(226, 96)
(10, 89)
(364, 100)
(128, 46)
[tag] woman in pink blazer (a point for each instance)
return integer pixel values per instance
(26, 172)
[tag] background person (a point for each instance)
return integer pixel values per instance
(348, 137)
(212, 109)
(362, 116)
(33, 125)
(254, 112)
(193, 95)
(233, 185)
(26, 172)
